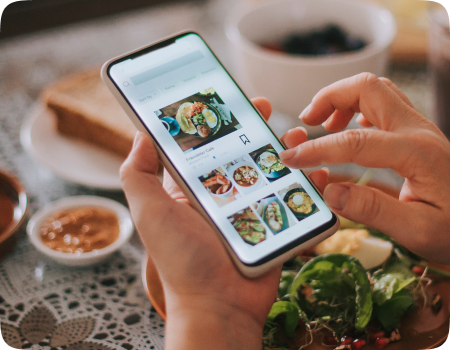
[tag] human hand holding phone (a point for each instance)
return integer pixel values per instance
(404, 141)
(203, 289)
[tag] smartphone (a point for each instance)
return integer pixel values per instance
(220, 151)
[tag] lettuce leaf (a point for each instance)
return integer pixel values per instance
(391, 294)
(390, 312)
(334, 287)
(388, 285)
(291, 316)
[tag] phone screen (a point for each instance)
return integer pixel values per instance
(221, 147)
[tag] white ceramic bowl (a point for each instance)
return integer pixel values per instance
(290, 82)
(83, 259)
(247, 189)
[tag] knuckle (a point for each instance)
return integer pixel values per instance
(425, 144)
(124, 171)
(354, 140)
(311, 152)
(316, 146)
(387, 81)
(321, 146)
(370, 206)
(367, 79)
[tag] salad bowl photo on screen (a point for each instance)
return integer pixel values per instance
(198, 120)
(269, 162)
(298, 201)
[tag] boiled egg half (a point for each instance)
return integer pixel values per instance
(210, 117)
(297, 199)
(369, 250)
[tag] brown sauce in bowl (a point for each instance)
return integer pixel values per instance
(80, 230)
(6, 211)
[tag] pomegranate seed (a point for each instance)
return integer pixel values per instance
(418, 270)
(346, 340)
(358, 344)
(380, 343)
(330, 340)
(373, 336)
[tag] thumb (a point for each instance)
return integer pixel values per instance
(369, 206)
(149, 204)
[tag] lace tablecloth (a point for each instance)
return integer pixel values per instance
(44, 305)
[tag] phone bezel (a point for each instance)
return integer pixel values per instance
(284, 249)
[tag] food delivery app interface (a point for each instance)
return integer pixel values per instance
(221, 147)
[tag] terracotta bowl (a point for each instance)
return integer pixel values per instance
(12, 189)
(421, 329)
(153, 287)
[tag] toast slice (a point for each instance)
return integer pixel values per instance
(86, 110)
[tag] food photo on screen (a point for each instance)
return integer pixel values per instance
(249, 226)
(198, 119)
(276, 216)
(269, 162)
(246, 175)
(298, 201)
(220, 187)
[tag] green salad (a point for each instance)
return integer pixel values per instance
(333, 294)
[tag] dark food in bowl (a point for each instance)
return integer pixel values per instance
(80, 230)
(6, 211)
(327, 41)
(245, 176)
(13, 206)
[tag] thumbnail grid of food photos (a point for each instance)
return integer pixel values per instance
(244, 175)
(197, 120)
(268, 216)
(273, 214)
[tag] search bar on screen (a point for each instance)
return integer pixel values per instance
(166, 68)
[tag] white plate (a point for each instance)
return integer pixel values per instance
(71, 159)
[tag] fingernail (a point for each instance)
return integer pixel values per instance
(137, 139)
(305, 112)
(336, 196)
(303, 129)
(288, 154)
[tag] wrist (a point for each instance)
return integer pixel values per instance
(201, 323)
